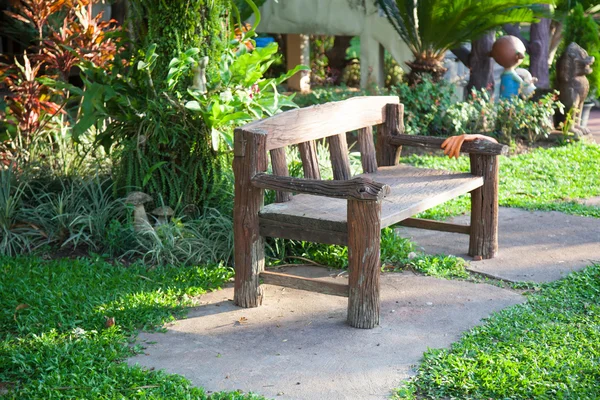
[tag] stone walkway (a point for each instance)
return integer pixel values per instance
(297, 345)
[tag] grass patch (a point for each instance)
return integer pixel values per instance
(397, 254)
(544, 179)
(53, 339)
(547, 348)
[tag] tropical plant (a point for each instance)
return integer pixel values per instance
(41, 102)
(184, 241)
(432, 27)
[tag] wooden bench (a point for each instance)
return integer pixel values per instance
(348, 210)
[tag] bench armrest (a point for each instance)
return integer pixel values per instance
(358, 188)
(483, 147)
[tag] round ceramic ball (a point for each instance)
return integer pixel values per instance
(508, 51)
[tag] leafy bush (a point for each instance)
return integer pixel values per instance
(18, 233)
(41, 102)
(205, 239)
(509, 119)
(528, 120)
(425, 105)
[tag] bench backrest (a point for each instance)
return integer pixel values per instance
(332, 121)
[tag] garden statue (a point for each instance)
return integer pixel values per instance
(199, 81)
(571, 70)
(509, 52)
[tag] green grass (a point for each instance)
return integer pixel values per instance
(53, 340)
(547, 348)
(397, 254)
(544, 179)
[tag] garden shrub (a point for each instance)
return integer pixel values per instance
(425, 105)
(508, 119)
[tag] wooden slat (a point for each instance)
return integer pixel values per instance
(316, 122)
(301, 283)
(310, 161)
(340, 162)
(359, 188)
(483, 147)
(279, 165)
(435, 225)
(413, 190)
(367, 149)
(285, 230)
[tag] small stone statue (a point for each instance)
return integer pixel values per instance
(509, 52)
(571, 70)
(199, 82)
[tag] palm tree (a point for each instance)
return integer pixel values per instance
(432, 27)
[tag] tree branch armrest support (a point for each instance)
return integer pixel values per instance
(482, 147)
(358, 188)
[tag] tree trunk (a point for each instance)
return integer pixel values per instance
(337, 56)
(425, 67)
(539, 52)
(481, 64)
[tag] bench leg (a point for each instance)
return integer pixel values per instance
(484, 208)
(364, 236)
(249, 246)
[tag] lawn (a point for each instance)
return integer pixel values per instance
(547, 348)
(543, 179)
(54, 340)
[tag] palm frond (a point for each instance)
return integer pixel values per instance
(431, 27)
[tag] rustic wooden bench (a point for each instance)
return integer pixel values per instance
(348, 210)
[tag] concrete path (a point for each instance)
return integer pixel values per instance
(533, 245)
(594, 124)
(298, 346)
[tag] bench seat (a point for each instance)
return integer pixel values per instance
(324, 219)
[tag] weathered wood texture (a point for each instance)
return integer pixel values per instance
(359, 188)
(483, 147)
(310, 160)
(250, 157)
(435, 225)
(484, 208)
(279, 165)
(340, 162)
(316, 122)
(301, 283)
(368, 158)
(388, 153)
(413, 190)
(364, 235)
(295, 231)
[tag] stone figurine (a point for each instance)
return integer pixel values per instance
(199, 81)
(509, 52)
(571, 70)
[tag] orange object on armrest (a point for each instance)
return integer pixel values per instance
(453, 144)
